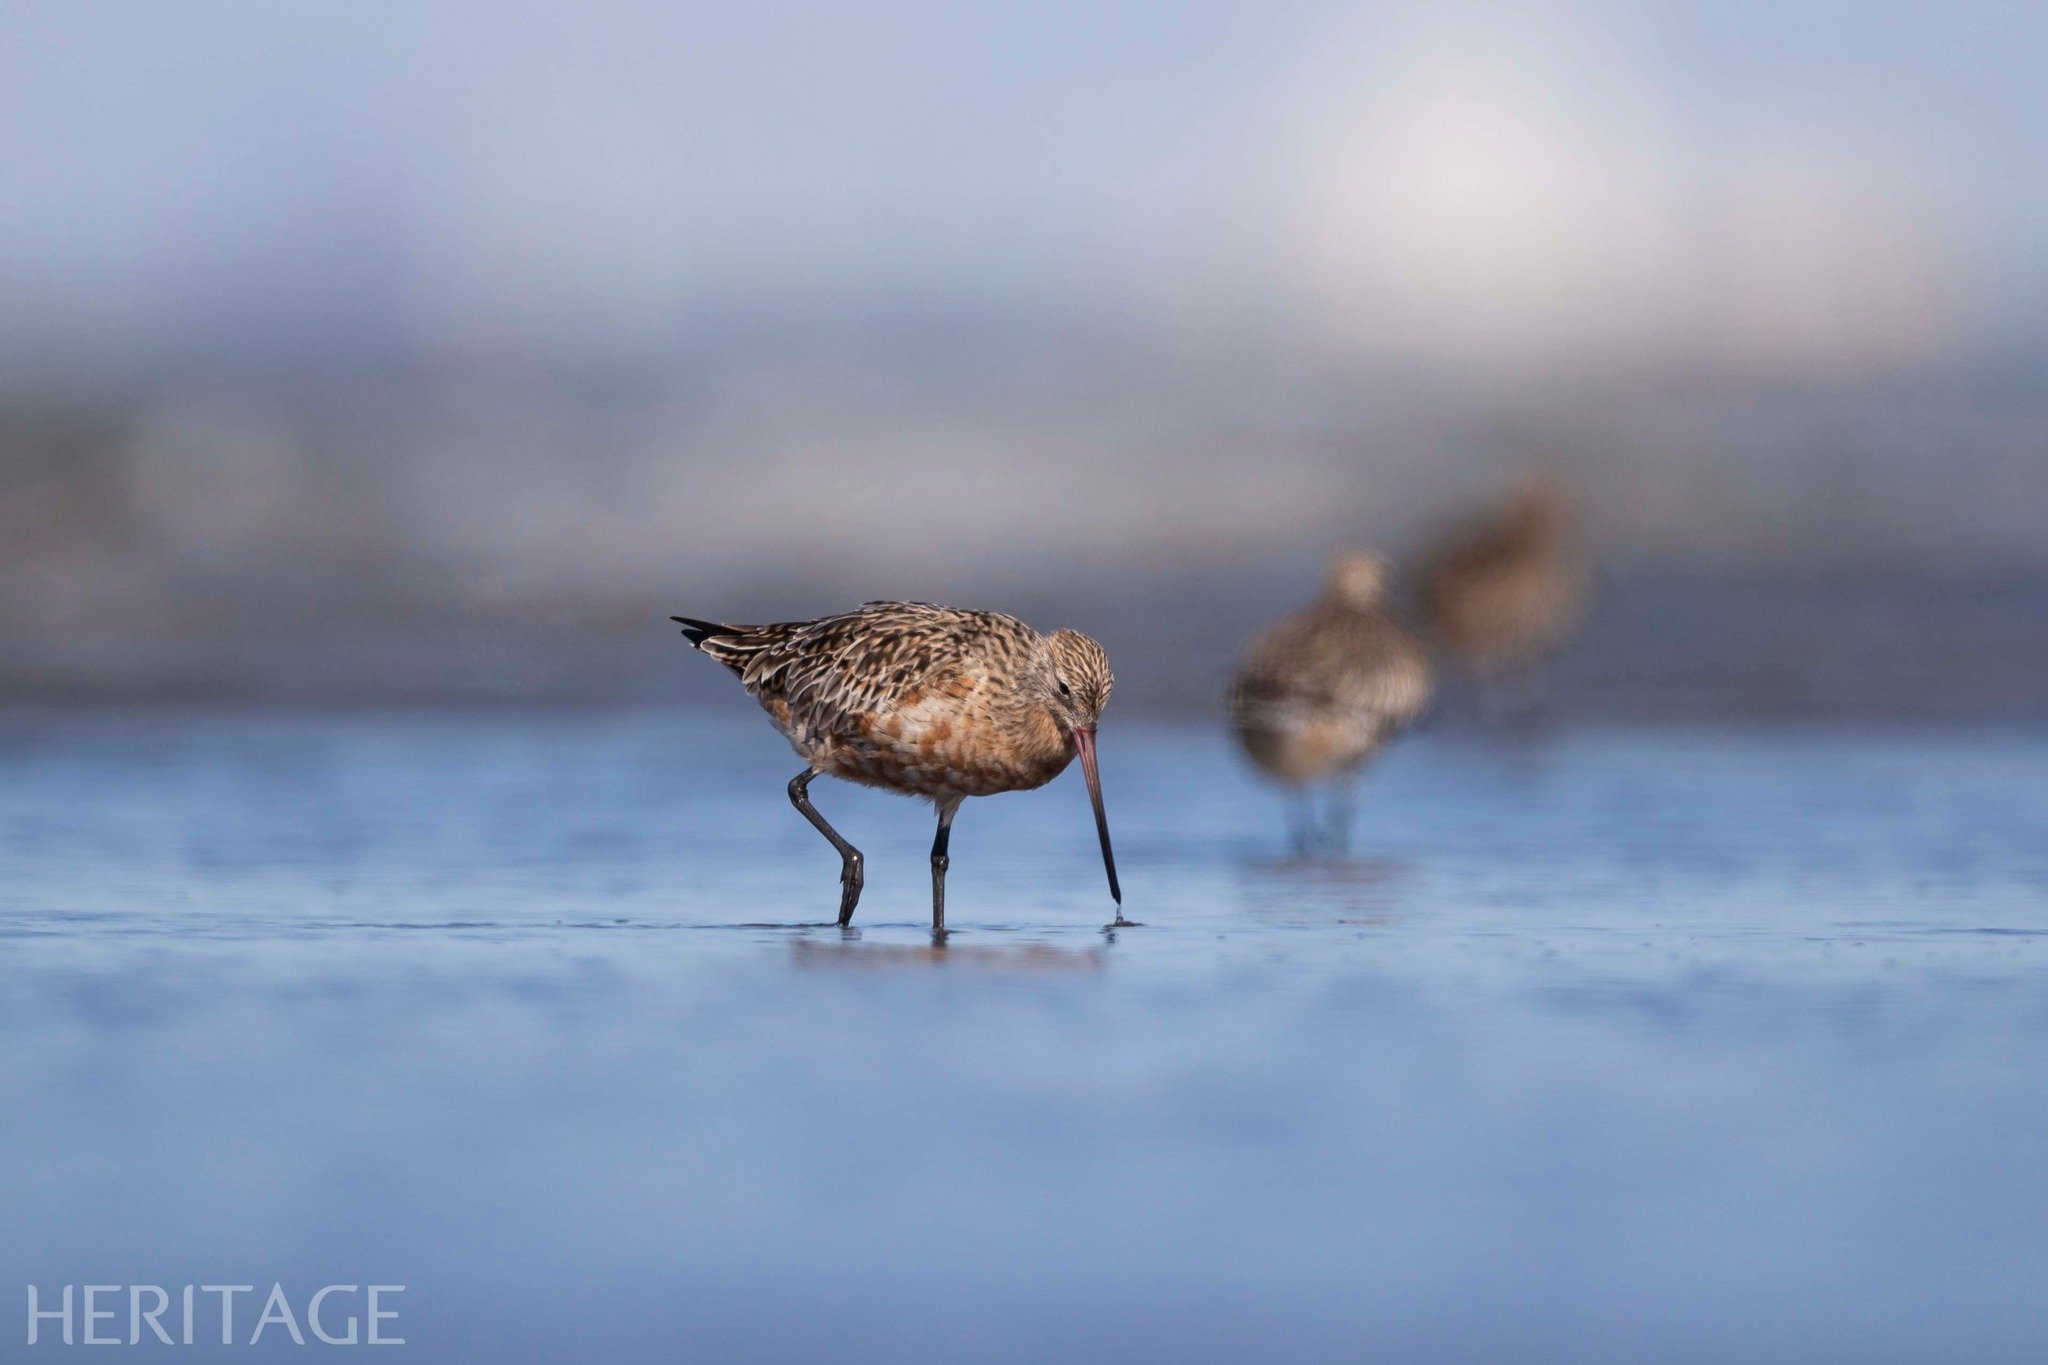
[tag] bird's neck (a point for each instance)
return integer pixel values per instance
(1041, 742)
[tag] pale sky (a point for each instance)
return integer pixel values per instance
(1812, 186)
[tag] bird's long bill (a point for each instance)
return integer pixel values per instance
(1084, 745)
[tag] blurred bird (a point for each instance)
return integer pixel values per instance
(1503, 591)
(1320, 692)
(927, 701)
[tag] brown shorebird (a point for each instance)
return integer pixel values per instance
(927, 701)
(1503, 591)
(1320, 692)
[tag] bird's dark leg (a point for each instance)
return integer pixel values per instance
(849, 856)
(947, 809)
(1343, 806)
(1301, 820)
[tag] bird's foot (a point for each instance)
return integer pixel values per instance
(849, 889)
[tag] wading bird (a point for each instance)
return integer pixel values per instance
(1503, 591)
(1320, 692)
(927, 701)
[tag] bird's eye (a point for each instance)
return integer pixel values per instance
(1065, 690)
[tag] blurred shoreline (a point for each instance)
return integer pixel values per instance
(1659, 648)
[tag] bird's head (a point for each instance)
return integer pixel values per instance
(1538, 509)
(1358, 578)
(1076, 679)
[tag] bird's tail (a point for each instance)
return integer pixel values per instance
(697, 632)
(731, 645)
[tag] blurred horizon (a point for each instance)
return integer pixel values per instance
(418, 352)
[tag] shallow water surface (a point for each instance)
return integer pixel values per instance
(1609, 1045)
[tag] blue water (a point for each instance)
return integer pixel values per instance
(1604, 1046)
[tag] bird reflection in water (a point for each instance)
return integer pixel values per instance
(1020, 957)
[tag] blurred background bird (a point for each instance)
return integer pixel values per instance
(1317, 694)
(1503, 591)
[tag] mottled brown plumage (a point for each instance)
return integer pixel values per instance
(1317, 694)
(926, 700)
(1506, 589)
